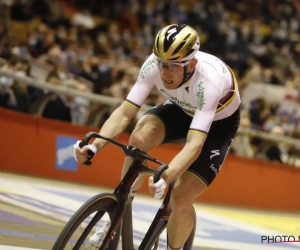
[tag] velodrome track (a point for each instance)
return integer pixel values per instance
(32, 212)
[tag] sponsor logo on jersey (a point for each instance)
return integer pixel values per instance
(200, 95)
(147, 66)
(183, 104)
(214, 153)
(213, 168)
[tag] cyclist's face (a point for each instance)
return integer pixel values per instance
(172, 73)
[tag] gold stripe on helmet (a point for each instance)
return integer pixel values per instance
(160, 41)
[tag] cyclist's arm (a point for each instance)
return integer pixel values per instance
(197, 134)
(122, 116)
(116, 123)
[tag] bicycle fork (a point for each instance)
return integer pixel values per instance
(161, 217)
(115, 227)
(127, 231)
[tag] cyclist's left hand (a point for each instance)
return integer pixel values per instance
(157, 190)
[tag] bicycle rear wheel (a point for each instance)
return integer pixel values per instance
(102, 206)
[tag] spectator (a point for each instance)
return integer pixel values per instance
(80, 106)
(56, 106)
(83, 19)
(97, 71)
(20, 90)
(275, 152)
(259, 112)
(7, 96)
(105, 42)
(121, 88)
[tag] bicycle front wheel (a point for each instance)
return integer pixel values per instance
(92, 214)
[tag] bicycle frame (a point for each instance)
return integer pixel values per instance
(162, 214)
(123, 214)
(124, 211)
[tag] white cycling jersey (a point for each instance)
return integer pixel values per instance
(211, 94)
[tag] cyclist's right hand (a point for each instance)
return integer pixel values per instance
(81, 154)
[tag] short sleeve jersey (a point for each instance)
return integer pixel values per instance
(211, 94)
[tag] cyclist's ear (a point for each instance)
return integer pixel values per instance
(191, 66)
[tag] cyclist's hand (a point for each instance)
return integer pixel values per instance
(81, 154)
(157, 190)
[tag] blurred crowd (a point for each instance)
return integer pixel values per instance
(98, 46)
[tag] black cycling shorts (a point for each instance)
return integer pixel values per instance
(216, 146)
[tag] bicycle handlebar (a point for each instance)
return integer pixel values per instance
(128, 151)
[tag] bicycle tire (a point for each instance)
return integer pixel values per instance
(105, 202)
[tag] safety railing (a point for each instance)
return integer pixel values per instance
(117, 101)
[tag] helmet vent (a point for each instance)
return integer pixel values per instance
(190, 52)
(174, 58)
(187, 37)
(178, 48)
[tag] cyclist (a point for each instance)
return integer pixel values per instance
(202, 106)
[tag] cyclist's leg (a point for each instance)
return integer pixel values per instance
(198, 177)
(186, 190)
(160, 124)
(147, 134)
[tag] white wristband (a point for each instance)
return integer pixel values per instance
(92, 147)
(160, 188)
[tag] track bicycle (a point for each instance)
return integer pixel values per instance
(117, 207)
